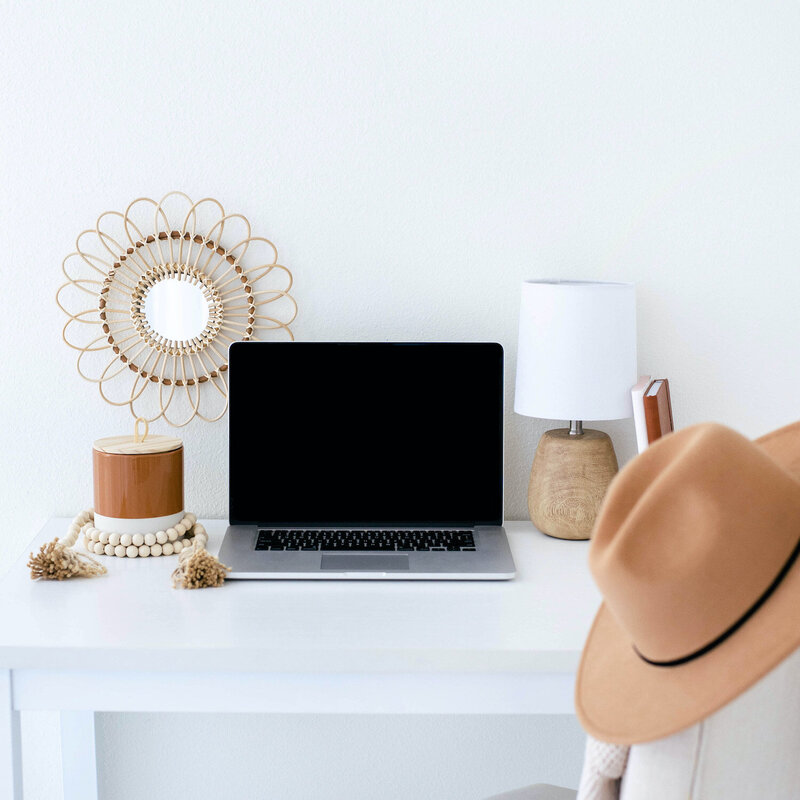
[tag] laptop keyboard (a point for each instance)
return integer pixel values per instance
(372, 540)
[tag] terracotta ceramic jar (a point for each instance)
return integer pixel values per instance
(138, 485)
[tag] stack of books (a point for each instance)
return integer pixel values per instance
(652, 410)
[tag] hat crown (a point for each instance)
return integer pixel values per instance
(690, 536)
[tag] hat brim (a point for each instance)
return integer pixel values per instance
(621, 698)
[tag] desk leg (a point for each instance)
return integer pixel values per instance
(10, 741)
(78, 759)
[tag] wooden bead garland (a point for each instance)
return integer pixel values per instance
(197, 568)
(168, 542)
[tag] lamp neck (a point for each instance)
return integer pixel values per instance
(575, 427)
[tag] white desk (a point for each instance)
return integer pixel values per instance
(127, 641)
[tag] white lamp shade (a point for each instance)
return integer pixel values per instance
(577, 350)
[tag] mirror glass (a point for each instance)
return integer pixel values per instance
(176, 309)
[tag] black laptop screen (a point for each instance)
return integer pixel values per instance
(365, 434)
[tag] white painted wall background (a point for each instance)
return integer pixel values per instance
(413, 162)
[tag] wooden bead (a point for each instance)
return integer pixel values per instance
(178, 546)
(150, 539)
(98, 548)
(155, 550)
(192, 518)
(144, 550)
(137, 540)
(119, 551)
(113, 538)
(161, 537)
(109, 549)
(172, 534)
(132, 551)
(180, 529)
(104, 537)
(125, 540)
(168, 549)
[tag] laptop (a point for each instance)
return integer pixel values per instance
(363, 460)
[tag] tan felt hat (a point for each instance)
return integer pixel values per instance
(695, 552)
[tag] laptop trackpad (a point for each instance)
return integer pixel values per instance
(354, 563)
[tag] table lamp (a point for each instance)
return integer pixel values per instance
(576, 361)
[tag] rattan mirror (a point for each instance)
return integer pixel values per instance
(157, 293)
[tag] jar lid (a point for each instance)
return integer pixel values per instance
(129, 445)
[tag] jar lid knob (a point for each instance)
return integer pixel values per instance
(136, 436)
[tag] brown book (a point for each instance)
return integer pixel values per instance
(658, 410)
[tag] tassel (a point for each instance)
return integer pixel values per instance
(56, 561)
(198, 569)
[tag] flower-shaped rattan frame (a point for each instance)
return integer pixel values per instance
(117, 264)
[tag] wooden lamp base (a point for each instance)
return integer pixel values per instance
(569, 478)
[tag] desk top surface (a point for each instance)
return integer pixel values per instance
(132, 618)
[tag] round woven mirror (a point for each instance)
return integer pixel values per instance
(157, 293)
(177, 309)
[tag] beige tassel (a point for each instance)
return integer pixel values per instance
(56, 561)
(198, 569)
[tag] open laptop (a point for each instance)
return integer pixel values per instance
(366, 460)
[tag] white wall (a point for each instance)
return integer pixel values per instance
(413, 162)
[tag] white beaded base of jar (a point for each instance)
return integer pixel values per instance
(168, 542)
